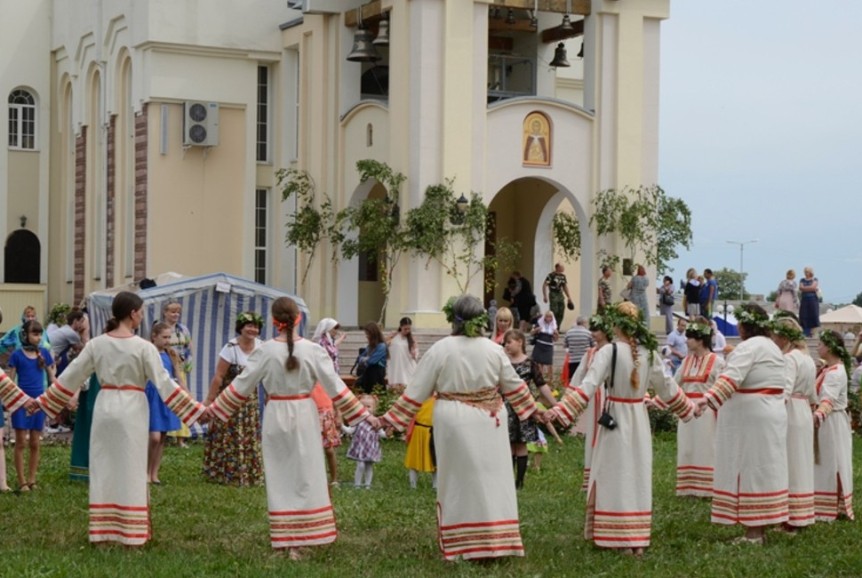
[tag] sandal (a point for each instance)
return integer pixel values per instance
(23, 488)
(33, 486)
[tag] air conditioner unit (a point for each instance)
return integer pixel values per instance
(200, 124)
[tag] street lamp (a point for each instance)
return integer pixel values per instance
(742, 245)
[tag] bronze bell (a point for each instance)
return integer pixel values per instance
(363, 48)
(382, 34)
(560, 57)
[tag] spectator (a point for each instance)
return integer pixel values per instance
(691, 294)
(666, 301)
(604, 288)
(553, 288)
(708, 293)
(374, 355)
(677, 343)
(578, 340)
(68, 340)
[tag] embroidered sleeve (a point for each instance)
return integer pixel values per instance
(402, 412)
(74, 376)
(573, 404)
(521, 401)
(176, 398)
(669, 392)
(11, 396)
(720, 392)
(345, 402)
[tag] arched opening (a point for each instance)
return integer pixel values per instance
(22, 257)
(370, 290)
(523, 212)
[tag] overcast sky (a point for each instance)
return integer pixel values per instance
(761, 134)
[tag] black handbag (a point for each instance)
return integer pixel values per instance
(606, 420)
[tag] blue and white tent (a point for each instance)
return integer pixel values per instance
(210, 304)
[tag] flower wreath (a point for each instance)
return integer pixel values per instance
(472, 327)
(789, 331)
(633, 326)
(746, 316)
(698, 330)
(249, 317)
(835, 344)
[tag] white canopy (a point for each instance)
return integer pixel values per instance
(847, 315)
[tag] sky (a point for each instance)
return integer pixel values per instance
(761, 135)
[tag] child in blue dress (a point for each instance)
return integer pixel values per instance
(28, 367)
(162, 419)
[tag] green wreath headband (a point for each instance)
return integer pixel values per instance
(698, 330)
(786, 329)
(633, 327)
(746, 316)
(249, 317)
(835, 344)
(602, 323)
(472, 327)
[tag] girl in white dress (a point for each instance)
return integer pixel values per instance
(300, 511)
(403, 355)
(123, 362)
(799, 398)
(833, 466)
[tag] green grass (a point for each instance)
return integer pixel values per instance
(201, 529)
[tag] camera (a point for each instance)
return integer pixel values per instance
(607, 420)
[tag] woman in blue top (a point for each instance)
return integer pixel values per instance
(374, 355)
(29, 366)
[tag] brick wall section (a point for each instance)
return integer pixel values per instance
(141, 138)
(80, 213)
(110, 203)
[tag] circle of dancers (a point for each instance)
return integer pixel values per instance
(763, 434)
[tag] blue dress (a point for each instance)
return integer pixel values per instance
(809, 307)
(162, 419)
(31, 379)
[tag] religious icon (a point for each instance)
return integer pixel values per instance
(537, 140)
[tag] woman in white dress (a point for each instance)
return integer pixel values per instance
(787, 295)
(833, 463)
(403, 355)
(300, 511)
(800, 397)
(619, 498)
(750, 481)
(602, 330)
(695, 449)
(123, 362)
(477, 508)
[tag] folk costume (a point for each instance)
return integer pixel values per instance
(297, 493)
(833, 471)
(119, 503)
(619, 497)
(800, 395)
(588, 421)
(750, 481)
(477, 508)
(695, 440)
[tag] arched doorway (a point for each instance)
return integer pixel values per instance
(22, 253)
(523, 211)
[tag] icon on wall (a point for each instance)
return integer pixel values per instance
(537, 140)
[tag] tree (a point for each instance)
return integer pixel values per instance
(858, 300)
(567, 235)
(730, 283)
(309, 224)
(649, 222)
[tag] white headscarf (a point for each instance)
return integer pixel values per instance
(325, 325)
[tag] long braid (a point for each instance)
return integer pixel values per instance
(292, 362)
(635, 377)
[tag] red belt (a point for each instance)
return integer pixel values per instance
(763, 391)
(694, 395)
(626, 399)
(124, 388)
(289, 397)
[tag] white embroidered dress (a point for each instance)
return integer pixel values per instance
(695, 440)
(119, 497)
(477, 508)
(750, 482)
(833, 473)
(800, 396)
(619, 497)
(297, 494)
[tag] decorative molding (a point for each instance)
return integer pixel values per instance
(538, 101)
(209, 51)
(359, 106)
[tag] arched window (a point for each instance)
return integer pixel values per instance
(22, 254)
(22, 120)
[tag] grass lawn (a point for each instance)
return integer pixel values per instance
(201, 529)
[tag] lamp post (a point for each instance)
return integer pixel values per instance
(742, 245)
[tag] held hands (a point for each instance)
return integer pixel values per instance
(699, 406)
(206, 416)
(374, 422)
(32, 406)
(819, 418)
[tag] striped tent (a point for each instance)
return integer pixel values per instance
(210, 306)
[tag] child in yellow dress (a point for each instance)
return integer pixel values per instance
(420, 445)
